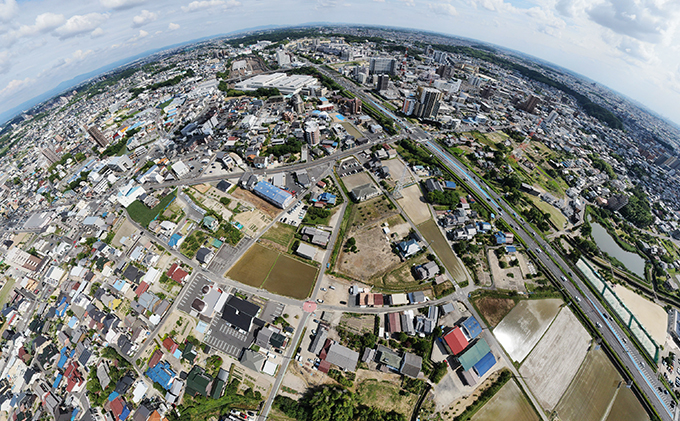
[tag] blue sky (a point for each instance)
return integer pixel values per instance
(629, 45)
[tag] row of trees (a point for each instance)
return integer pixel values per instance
(328, 403)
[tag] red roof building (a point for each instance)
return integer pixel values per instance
(155, 358)
(117, 406)
(393, 323)
(141, 289)
(176, 273)
(455, 341)
(170, 345)
(73, 376)
(378, 300)
(324, 366)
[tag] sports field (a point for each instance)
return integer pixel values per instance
(414, 204)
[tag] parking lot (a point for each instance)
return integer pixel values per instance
(295, 215)
(227, 339)
(196, 283)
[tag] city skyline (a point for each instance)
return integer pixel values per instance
(628, 48)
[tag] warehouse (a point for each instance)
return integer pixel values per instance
(273, 194)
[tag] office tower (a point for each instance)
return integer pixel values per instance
(445, 72)
(383, 81)
(551, 117)
(312, 135)
(97, 136)
(383, 65)
(428, 103)
(353, 106)
(50, 155)
(530, 104)
(298, 104)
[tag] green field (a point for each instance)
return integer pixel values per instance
(508, 404)
(592, 390)
(280, 234)
(556, 217)
(141, 214)
(6, 290)
(436, 240)
(275, 272)
(627, 407)
(386, 396)
(291, 277)
(351, 130)
(253, 267)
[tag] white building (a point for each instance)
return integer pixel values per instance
(180, 169)
(287, 85)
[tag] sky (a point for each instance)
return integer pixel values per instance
(631, 46)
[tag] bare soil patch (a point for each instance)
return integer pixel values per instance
(494, 309)
(266, 207)
(414, 204)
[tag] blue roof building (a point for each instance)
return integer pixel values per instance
(273, 194)
(328, 198)
(510, 249)
(57, 381)
(471, 328)
(162, 374)
(500, 237)
(449, 185)
(174, 240)
(123, 415)
(484, 364)
(408, 248)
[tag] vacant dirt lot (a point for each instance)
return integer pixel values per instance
(356, 180)
(385, 395)
(125, 230)
(508, 278)
(253, 222)
(414, 204)
(494, 309)
(373, 211)
(374, 255)
(266, 207)
(554, 362)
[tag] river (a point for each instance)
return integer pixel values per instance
(632, 261)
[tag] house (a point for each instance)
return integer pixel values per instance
(455, 341)
(408, 248)
(306, 251)
(197, 382)
(388, 357)
(411, 365)
(162, 374)
(252, 360)
(364, 192)
(211, 223)
(393, 323)
(471, 328)
(204, 255)
(319, 341)
(315, 236)
(433, 185)
(343, 357)
(427, 271)
(177, 274)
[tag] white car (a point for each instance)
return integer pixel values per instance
(319, 300)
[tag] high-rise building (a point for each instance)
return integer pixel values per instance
(383, 82)
(298, 104)
(353, 106)
(51, 156)
(380, 65)
(427, 106)
(551, 117)
(445, 72)
(282, 58)
(97, 136)
(530, 104)
(312, 134)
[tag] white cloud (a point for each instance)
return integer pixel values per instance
(142, 33)
(443, 9)
(638, 50)
(43, 23)
(15, 85)
(120, 4)
(207, 4)
(645, 20)
(8, 9)
(80, 24)
(173, 26)
(494, 5)
(97, 33)
(144, 18)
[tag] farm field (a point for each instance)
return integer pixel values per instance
(523, 327)
(414, 204)
(553, 363)
(494, 309)
(253, 267)
(280, 234)
(627, 407)
(291, 277)
(556, 216)
(508, 404)
(351, 129)
(441, 246)
(592, 390)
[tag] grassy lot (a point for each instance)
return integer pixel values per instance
(401, 279)
(556, 216)
(143, 215)
(280, 234)
(5, 291)
(386, 396)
